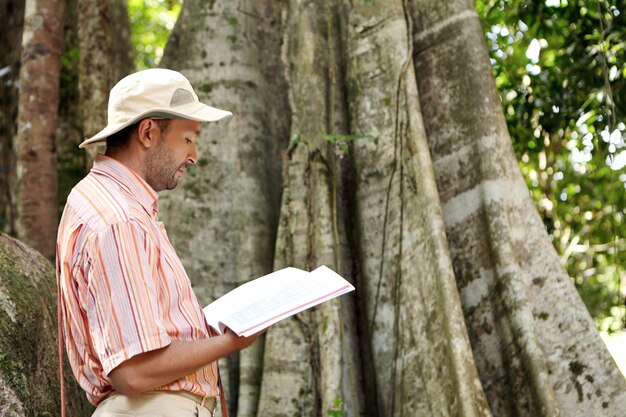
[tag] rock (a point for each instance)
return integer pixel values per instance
(29, 382)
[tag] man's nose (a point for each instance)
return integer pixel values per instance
(192, 156)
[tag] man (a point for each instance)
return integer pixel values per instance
(134, 332)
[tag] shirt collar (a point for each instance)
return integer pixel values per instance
(128, 180)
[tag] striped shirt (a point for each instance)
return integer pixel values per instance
(123, 289)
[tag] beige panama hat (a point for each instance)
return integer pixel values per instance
(154, 92)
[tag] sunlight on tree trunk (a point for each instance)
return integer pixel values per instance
(35, 187)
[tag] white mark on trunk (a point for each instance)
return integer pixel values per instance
(462, 206)
(32, 21)
(477, 289)
(28, 125)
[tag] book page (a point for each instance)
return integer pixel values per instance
(269, 299)
(246, 294)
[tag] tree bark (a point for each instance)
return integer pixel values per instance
(222, 217)
(35, 186)
(319, 375)
(415, 324)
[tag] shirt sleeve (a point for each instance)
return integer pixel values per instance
(122, 305)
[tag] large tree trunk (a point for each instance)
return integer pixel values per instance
(106, 56)
(400, 175)
(222, 218)
(530, 333)
(423, 362)
(311, 363)
(42, 41)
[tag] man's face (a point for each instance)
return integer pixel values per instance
(167, 161)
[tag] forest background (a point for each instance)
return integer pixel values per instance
(559, 67)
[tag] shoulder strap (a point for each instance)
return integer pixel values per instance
(60, 347)
(223, 404)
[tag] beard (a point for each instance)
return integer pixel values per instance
(161, 168)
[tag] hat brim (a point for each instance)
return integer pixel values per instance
(196, 111)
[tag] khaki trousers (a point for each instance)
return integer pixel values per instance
(156, 404)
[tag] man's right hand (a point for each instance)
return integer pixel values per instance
(241, 342)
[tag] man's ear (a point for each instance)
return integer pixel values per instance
(148, 133)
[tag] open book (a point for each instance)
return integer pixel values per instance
(264, 301)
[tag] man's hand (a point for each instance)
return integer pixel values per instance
(241, 342)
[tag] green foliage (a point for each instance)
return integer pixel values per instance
(560, 66)
(337, 409)
(151, 22)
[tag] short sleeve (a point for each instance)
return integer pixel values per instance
(123, 309)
